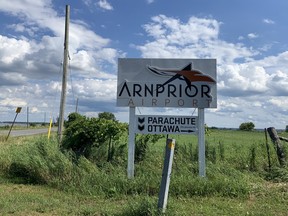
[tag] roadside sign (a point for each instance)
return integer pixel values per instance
(163, 124)
(167, 83)
(18, 110)
(180, 83)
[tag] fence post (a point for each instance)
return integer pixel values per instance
(268, 149)
(275, 139)
(167, 169)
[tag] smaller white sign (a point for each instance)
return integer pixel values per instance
(154, 124)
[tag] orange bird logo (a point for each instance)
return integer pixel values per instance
(187, 73)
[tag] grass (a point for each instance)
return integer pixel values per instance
(36, 178)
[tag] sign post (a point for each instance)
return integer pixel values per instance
(167, 169)
(18, 110)
(131, 144)
(201, 142)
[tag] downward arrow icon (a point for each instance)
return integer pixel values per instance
(141, 127)
(141, 120)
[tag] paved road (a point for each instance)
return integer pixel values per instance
(26, 132)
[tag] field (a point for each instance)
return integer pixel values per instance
(36, 178)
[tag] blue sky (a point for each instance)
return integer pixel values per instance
(248, 39)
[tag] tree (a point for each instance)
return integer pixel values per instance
(247, 126)
(107, 116)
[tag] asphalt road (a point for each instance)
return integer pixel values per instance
(26, 132)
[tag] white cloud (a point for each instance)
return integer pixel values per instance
(242, 80)
(252, 36)
(87, 2)
(14, 102)
(30, 67)
(40, 58)
(280, 102)
(268, 21)
(104, 4)
(12, 49)
(246, 90)
(198, 38)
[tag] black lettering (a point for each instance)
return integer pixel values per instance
(136, 90)
(191, 91)
(205, 90)
(150, 128)
(127, 89)
(171, 90)
(193, 121)
(177, 129)
(166, 121)
(159, 89)
(170, 128)
(157, 127)
(177, 120)
(148, 90)
(180, 91)
(149, 120)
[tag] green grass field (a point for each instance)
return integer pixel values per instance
(36, 178)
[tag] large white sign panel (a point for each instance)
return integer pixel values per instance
(155, 124)
(167, 83)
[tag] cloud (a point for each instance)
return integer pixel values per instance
(150, 1)
(13, 102)
(244, 87)
(41, 58)
(249, 86)
(12, 49)
(30, 67)
(105, 5)
(252, 36)
(268, 21)
(198, 38)
(242, 80)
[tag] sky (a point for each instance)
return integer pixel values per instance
(247, 38)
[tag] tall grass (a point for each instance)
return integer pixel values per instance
(233, 167)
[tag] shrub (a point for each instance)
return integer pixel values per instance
(83, 134)
(247, 126)
(107, 116)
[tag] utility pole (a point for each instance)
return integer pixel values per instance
(64, 78)
(76, 106)
(27, 117)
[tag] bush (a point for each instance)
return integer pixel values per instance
(107, 116)
(247, 126)
(83, 134)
